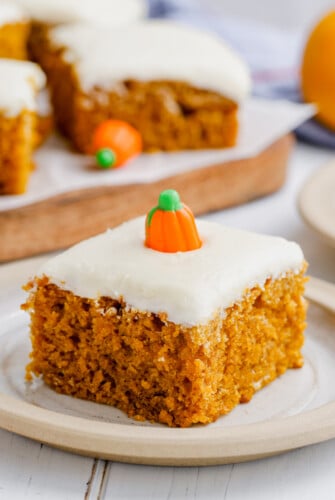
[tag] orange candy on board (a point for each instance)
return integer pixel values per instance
(115, 142)
(170, 226)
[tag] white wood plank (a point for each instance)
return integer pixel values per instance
(29, 470)
(97, 481)
(139, 482)
(307, 473)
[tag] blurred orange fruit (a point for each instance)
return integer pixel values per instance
(318, 70)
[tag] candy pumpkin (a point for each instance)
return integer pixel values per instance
(170, 226)
(115, 142)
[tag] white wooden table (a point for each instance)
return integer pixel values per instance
(29, 470)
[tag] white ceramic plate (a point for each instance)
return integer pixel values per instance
(317, 202)
(295, 410)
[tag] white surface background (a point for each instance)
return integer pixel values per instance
(29, 470)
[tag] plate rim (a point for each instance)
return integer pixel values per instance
(304, 197)
(166, 446)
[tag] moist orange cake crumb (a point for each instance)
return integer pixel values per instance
(17, 139)
(156, 370)
(13, 40)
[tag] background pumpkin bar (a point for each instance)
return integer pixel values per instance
(180, 87)
(20, 82)
(176, 338)
(47, 13)
(14, 31)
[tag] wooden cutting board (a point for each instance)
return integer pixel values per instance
(65, 219)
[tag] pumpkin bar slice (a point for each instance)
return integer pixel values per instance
(20, 83)
(178, 326)
(179, 87)
(46, 14)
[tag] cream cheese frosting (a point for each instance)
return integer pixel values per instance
(100, 12)
(190, 287)
(153, 50)
(20, 82)
(11, 13)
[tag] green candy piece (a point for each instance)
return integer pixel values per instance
(105, 157)
(169, 200)
(150, 215)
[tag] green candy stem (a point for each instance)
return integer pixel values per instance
(105, 158)
(169, 200)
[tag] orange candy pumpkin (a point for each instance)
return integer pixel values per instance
(115, 142)
(170, 226)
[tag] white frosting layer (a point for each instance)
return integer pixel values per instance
(19, 83)
(101, 12)
(153, 50)
(11, 13)
(189, 286)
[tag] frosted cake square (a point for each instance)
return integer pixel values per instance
(179, 87)
(176, 337)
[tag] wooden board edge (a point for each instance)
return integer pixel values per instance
(65, 219)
